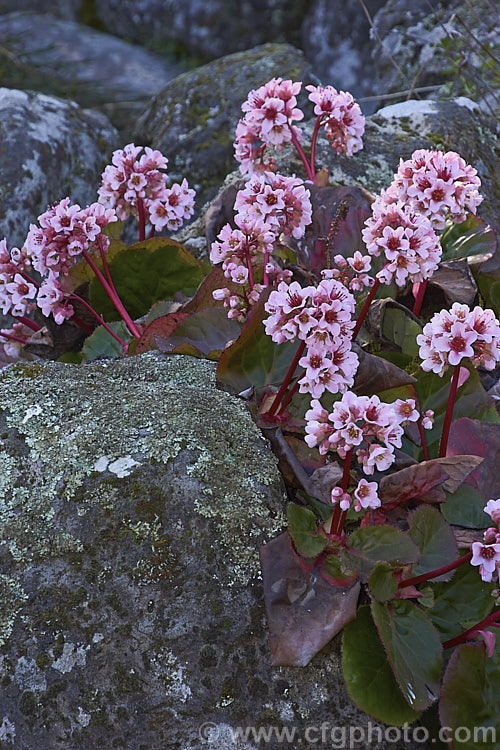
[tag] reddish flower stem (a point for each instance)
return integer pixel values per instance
(142, 219)
(364, 309)
(480, 626)
(291, 393)
(152, 232)
(301, 153)
(340, 515)
(317, 126)
(29, 279)
(419, 299)
(105, 266)
(10, 337)
(113, 296)
(449, 412)
(288, 377)
(27, 322)
(435, 573)
(81, 324)
(100, 319)
(422, 438)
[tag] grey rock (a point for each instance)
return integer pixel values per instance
(73, 61)
(50, 149)
(453, 46)
(192, 120)
(67, 9)
(203, 28)
(134, 495)
(336, 41)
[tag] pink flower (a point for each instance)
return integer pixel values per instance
(406, 410)
(487, 557)
(428, 419)
(342, 117)
(341, 497)
(365, 495)
(492, 508)
(18, 294)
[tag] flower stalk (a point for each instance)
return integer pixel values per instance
(449, 412)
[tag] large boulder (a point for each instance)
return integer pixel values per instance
(336, 41)
(67, 9)
(91, 67)
(452, 46)
(192, 120)
(49, 149)
(133, 498)
(204, 28)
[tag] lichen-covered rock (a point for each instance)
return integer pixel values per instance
(133, 498)
(49, 149)
(451, 45)
(336, 41)
(91, 67)
(67, 9)
(193, 118)
(203, 28)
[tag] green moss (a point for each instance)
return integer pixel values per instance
(28, 704)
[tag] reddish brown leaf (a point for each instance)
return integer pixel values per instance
(375, 374)
(303, 611)
(203, 298)
(163, 326)
(426, 481)
(481, 439)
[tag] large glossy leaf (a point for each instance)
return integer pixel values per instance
(434, 537)
(375, 374)
(162, 326)
(460, 603)
(413, 648)
(472, 237)
(254, 359)
(203, 298)
(146, 273)
(465, 506)
(303, 611)
(368, 676)
(313, 248)
(470, 698)
(201, 334)
(392, 326)
(81, 272)
(101, 344)
(372, 544)
(303, 528)
(451, 282)
(382, 582)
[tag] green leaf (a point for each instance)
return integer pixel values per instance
(461, 603)
(368, 676)
(413, 648)
(72, 358)
(472, 237)
(334, 571)
(464, 507)
(201, 334)
(372, 544)
(101, 344)
(470, 698)
(382, 583)
(434, 537)
(145, 273)
(303, 528)
(254, 359)
(402, 330)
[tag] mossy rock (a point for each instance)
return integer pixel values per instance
(134, 497)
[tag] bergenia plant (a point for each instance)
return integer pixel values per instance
(389, 494)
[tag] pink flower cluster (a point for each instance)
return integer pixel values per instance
(268, 205)
(438, 185)
(342, 117)
(271, 110)
(269, 113)
(364, 496)
(361, 423)
(132, 178)
(457, 334)
(321, 317)
(282, 203)
(65, 232)
(352, 272)
(486, 554)
(406, 240)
